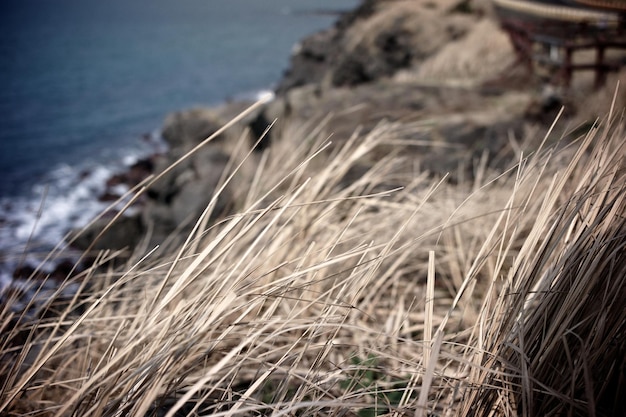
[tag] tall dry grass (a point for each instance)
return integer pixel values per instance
(393, 293)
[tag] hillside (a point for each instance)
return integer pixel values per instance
(418, 233)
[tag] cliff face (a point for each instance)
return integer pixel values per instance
(446, 64)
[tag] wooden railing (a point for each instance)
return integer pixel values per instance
(549, 34)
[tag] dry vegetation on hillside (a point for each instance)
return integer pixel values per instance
(394, 292)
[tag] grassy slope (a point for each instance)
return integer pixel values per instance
(396, 292)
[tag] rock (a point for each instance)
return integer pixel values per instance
(133, 175)
(187, 128)
(178, 199)
(208, 164)
(258, 127)
(166, 187)
(158, 219)
(407, 61)
(394, 39)
(310, 61)
(457, 59)
(139, 171)
(202, 163)
(108, 197)
(126, 232)
(192, 200)
(316, 54)
(276, 109)
(63, 270)
(115, 180)
(375, 41)
(302, 101)
(27, 272)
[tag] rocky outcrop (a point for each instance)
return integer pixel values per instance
(375, 41)
(406, 61)
(175, 200)
(187, 128)
(125, 233)
(445, 64)
(365, 63)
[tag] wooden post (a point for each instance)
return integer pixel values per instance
(566, 69)
(601, 69)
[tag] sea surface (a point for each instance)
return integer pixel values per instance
(81, 81)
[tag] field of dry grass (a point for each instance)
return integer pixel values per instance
(396, 293)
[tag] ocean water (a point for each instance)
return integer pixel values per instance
(82, 80)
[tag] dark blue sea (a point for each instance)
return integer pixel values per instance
(82, 80)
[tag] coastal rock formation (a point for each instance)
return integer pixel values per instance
(125, 233)
(175, 200)
(377, 40)
(445, 65)
(186, 128)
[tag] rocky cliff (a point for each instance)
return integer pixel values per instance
(445, 64)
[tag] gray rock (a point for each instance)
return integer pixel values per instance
(126, 232)
(187, 128)
(373, 42)
(180, 197)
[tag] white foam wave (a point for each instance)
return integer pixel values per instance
(265, 95)
(67, 199)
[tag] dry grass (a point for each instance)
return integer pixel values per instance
(457, 61)
(504, 296)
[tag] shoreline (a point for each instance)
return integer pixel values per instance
(71, 197)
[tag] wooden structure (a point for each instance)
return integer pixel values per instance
(548, 34)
